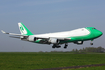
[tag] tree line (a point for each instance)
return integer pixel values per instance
(90, 49)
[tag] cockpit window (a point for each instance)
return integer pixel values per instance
(93, 28)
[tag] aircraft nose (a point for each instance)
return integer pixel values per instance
(100, 33)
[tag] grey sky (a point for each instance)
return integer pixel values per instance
(46, 16)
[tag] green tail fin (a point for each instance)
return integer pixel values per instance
(24, 30)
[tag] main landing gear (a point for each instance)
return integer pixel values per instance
(66, 44)
(58, 46)
(55, 46)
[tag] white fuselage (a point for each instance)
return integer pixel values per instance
(77, 36)
(73, 33)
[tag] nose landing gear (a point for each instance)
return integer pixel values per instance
(91, 42)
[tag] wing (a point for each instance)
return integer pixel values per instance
(42, 39)
(62, 38)
(59, 38)
(49, 40)
(12, 33)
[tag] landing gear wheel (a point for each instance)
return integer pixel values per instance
(53, 46)
(58, 46)
(65, 46)
(91, 43)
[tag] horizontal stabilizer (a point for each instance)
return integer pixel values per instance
(12, 33)
(3, 32)
(14, 37)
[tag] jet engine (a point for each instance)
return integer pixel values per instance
(53, 41)
(24, 38)
(32, 38)
(79, 42)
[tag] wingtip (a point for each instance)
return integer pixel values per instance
(2, 31)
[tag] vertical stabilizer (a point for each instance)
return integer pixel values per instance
(24, 30)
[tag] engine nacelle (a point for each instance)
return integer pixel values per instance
(79, 42)
(53, 41)
(23, 38)
(32, 38)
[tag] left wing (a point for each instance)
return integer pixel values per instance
(47, 40)
(47, 37)
(52, 40)
(62, 38)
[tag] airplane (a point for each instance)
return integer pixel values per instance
(77, 36)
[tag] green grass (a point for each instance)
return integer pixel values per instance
(28, 61)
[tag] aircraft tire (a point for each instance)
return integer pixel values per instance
(58, 46)
(53, 46)
(65, 47)
(91, 43)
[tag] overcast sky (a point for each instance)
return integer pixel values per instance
(46, 16)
